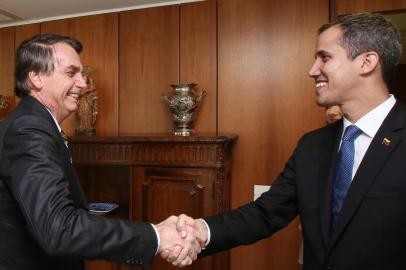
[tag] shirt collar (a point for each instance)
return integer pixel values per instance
(370, 123)
(56, 122)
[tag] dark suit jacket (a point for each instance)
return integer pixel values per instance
(371, 231)
(44, 222)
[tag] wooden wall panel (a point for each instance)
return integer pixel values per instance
(343, 7)
(7, 66)
(26, 31)
(99, 36)
(265, 49)
(22, 33)
(149, 63)
(198, 57)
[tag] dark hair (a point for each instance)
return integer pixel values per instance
(36, 54)
(366, 32)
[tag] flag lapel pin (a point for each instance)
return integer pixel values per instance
(386, 142)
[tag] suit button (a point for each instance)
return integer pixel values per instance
(329, 267)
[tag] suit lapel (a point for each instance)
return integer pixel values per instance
(372, 163)
(328, 156)
(75, 188)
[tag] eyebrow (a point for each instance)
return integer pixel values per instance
(73, 68)
(321, 53)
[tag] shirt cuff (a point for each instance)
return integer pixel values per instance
(157, 237)
(208, 234)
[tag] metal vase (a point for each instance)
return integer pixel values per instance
(183, 104)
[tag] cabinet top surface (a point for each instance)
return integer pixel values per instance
(158, 137)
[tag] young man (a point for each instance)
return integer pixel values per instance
(347, 181)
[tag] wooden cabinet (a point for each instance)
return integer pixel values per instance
(154, 176)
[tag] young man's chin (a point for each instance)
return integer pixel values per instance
(324, 103)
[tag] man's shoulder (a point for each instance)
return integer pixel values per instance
(324, 133)
(26, 117)
(28, 110)
(401, 107)
(318, 139)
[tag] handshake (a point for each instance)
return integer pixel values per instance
(181, 239)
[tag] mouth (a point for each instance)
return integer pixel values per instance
(320, 85)
(75, 96)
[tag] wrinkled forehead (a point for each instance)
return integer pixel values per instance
(65, 55)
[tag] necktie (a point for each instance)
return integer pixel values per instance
(65, 139)
(343, 171)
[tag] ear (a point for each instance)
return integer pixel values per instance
(35, 79)
(369, 61)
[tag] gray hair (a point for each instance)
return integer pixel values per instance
(36, 54)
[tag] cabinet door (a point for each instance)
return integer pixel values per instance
(107, 183)
(161, 192)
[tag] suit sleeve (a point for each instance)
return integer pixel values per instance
(38, 183)
(249, 223)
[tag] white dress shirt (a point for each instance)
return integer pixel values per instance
(369, 124)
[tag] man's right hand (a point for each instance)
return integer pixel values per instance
(191, 230)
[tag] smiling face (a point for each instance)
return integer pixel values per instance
(335, 74)
(59, 91)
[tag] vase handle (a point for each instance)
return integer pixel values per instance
(202, 94)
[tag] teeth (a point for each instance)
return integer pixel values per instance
(73, 95)
(321, 84)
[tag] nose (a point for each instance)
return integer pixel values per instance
(81, 82)
(315, 69)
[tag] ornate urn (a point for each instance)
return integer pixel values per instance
(86, 114)
(184, 104)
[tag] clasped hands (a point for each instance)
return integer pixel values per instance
(181, 239)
